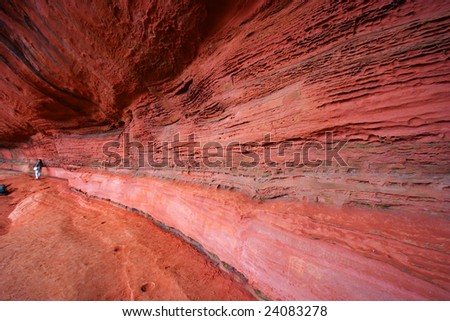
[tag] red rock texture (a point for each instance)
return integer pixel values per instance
(64, 246)
(72, 65)
(376, 74)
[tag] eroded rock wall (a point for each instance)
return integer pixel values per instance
(374, 74)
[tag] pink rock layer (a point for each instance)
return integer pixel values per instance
(61, 245)
(294, 250)
(376, 74)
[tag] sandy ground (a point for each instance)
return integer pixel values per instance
(57, 244)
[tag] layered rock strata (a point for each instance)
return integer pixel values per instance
(349, 100)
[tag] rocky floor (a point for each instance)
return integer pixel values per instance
(57, 244)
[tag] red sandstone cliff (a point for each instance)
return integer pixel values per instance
(375, 74)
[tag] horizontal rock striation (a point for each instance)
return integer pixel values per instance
(362, 86)
(85, 249)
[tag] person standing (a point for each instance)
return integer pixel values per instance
(37, 168)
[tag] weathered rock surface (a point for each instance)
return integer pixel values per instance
(64, 246)
(375, 74)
